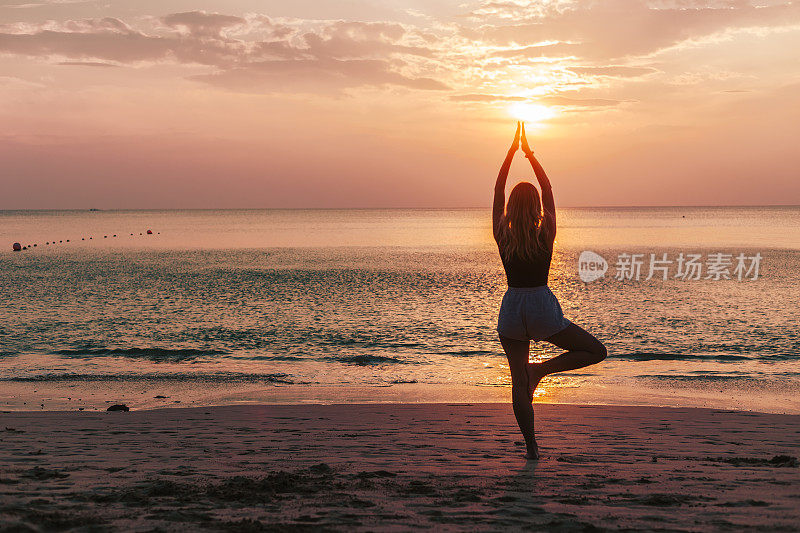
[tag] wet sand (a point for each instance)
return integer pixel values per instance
(398, 467)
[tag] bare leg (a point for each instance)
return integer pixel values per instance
(583, 349)
(517, 354)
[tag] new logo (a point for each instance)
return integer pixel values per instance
(591, 266)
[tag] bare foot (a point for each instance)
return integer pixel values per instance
(533, 454)
(534, 377)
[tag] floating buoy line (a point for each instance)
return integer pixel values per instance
(17, 247)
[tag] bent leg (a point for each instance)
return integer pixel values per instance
(583, 349)
(517, 354)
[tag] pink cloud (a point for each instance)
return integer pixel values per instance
(610, 29)
(338, 54)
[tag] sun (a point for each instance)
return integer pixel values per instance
(532, 114)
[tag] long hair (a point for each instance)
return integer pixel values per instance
(521, 226)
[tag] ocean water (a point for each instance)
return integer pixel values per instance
(329, 306)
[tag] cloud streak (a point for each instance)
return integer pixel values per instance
(570, 42)
(613, 71)
(554, 100)
(336, 55)
(604, 30)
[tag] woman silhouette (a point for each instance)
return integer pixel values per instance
(525, 231)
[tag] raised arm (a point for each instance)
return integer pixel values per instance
(499, 204)
(548, 204)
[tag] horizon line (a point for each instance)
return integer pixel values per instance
(372, 208)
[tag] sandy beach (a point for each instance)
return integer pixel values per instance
(398, 467)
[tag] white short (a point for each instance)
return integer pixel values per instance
(530, 313)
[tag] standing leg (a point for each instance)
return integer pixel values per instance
(517, 354)
(583, 349)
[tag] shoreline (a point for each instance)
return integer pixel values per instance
(358, 404)
(616, 383)
(71, 396)
(399, 466)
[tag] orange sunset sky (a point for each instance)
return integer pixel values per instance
(395, 103)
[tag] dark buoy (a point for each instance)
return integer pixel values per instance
(24, 247)
(119, 407)
(60, 241)
(34, 244)
(115, 235)
(48, 242)
(83, 239)
(149, 232)
(16, 247)
(90, 238)
(105, 236)
(67, 240)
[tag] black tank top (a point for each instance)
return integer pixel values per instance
(524, 273)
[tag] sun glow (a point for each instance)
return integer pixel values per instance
(532, 114)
